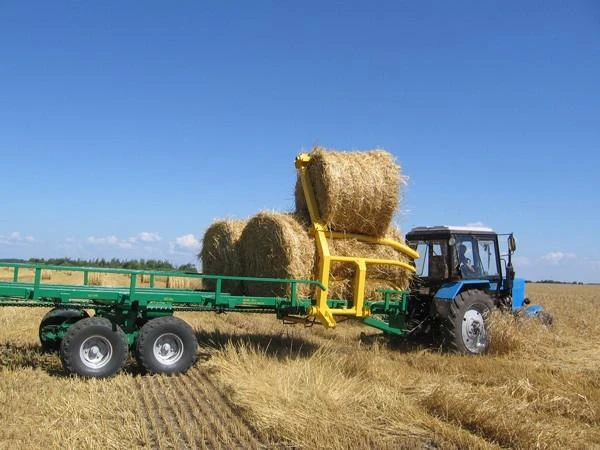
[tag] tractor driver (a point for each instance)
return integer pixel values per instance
(467, 269)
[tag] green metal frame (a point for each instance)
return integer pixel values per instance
(128, 306)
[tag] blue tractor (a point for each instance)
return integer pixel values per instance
(461, 277)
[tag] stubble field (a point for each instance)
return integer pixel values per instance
(261, 384)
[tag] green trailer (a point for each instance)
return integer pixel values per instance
(94, 327)
(141, 318)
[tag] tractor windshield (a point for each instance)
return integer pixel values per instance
(432, 262)
(476, 256)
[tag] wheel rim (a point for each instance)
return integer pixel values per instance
(95, 352)
(168, 349)
(474, 334)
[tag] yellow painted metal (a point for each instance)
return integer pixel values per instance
(403, 248)
(321, 310)
(390, 262)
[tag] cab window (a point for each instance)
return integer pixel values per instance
(487, 256)
(467, 260)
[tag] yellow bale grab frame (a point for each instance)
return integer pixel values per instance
(321, 309)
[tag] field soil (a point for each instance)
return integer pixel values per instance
(261, 384)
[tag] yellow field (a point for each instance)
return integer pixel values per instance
(259, 383)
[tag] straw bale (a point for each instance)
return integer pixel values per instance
(279, 246)
(392, 275)
(343, 288)
(220, 254)
(177, 283)
(356, 192)
(275, 245)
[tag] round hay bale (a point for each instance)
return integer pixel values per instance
(356, 192)
(275, 245)
(392, 275)
(177, 283)
(343, 288)
(220, 254)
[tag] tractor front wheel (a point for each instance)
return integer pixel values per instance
(465, 327)
(94, 347)
(166, 345)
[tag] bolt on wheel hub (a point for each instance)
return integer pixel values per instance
(95, 352)
(474, 334)
(168, 348)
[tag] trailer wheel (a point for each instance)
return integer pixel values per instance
(166, 345)
(464, 328)
(54, 318)
(94, 347)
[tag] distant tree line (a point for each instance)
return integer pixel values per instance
(115, 263)
(554, 282)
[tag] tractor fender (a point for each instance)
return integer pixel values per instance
(448, 291)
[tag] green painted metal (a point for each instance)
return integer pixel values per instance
(389, 314)
(132, 305)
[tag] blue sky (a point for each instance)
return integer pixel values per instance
(127, 128)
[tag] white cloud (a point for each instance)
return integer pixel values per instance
(556, 257)
(15, 238)
(187, 241)
(146, 236)
(110, 240)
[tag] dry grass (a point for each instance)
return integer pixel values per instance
(46, 275)
(538, 388)
(318, 388)
(96, 279)
(356, 192)
(220, 253)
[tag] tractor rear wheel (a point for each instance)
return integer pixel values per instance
(166, 345)
(465, 327)
(94, 347)
(52, 321)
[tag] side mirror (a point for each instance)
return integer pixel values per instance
(512, 243)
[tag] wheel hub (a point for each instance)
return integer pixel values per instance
(168, 348)
(95, 352)
(474, 334)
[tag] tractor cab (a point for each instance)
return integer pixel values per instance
(456, 253)
(453, 258)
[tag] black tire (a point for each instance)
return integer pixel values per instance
(166, 345)
(94, 347)
(54, 318)
(464, 328)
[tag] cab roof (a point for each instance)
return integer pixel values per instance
(448, 230)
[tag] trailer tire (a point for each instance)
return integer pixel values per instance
(166, 345)
(53, 318)
(94, 348)
(464, 327)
